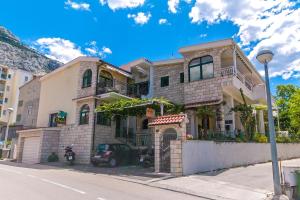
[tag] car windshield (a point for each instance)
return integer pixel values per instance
(102, 148)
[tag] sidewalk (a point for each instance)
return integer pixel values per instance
(248, 183)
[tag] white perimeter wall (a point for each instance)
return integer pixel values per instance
(203, 156)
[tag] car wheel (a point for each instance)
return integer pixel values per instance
(112, 162)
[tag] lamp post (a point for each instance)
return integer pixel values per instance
(10, 110)
(264, 57)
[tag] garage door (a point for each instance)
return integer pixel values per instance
(31, 150)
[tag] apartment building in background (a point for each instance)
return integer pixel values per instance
(11, 79)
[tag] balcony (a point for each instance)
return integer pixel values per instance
(229, 71)
(136, 90)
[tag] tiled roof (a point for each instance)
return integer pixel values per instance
(167, 119)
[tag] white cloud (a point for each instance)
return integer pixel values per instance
(120, 4)
(272, 24)
(58, 49)
(64, 50)
(173, 5)
(140, 18)
(93, 50)
(163, 21)
(77, 6)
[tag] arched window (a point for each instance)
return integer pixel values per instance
(87, 78)
(201, 68)
(105, 79)
(84, 114)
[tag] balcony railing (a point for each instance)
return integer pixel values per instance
(135, 90)
(229, 71)
(112, 86)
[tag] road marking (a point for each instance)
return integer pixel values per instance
(10, 170)
(99, 198)
(63, 186)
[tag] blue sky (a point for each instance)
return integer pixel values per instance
(124, 30)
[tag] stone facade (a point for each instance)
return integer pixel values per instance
(204, 90)
(28, 106)
(174, 91)
(89, 91)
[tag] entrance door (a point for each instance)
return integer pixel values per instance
(165, 153)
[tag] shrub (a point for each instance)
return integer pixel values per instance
(260, 138)
(53, 157)
(283, 139)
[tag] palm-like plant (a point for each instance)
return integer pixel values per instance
(204, 113)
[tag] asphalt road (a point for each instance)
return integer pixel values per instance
(35, 183)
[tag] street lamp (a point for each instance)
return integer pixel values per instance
(264, 57)
(10, 110)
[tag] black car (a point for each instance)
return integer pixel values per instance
(115, 154)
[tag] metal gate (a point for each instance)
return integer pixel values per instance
(165, 154)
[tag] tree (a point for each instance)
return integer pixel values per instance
(204, 113)
(294, 111)
(283, 96)
(246, 116)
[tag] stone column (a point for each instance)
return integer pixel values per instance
(176, 158)
(157, 149)
(193, 126)
(261, 122)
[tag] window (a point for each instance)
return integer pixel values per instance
(52, 120)
(103, 120)
(18, 118)
(5, 100)
(26, 78)
(105, 79)
(9, 76)
(145, 124)
(7, 88)
(87, 79)
(20, 104)
(181, 77)
(84, 114)
(201, 68)
(164, 81)
(29, 110)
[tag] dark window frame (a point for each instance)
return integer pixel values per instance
(200, 65)
(87, 78)
(84, 114)
(181, 77)
(163, 83)
(103, 120)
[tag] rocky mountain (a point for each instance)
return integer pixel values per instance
(13, 53)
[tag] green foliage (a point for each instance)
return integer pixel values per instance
(294, 110)
(134, 107)
(284, 94)
(53, 157)
(260, 138)
(246, 116)
(283, 139)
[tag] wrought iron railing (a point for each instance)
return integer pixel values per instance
(135, 90)
(137, 139)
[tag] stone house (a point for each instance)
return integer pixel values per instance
(208, 74)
